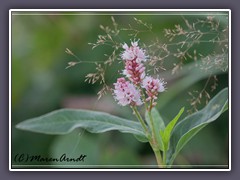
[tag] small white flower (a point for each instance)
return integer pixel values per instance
(125, 46)
(128, 55)
(134, 43)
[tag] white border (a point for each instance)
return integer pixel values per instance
(10, 90)
(230, 90)
(110, 11)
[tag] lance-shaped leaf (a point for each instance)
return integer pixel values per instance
(66, 120)
(167, 131)
(192, 124)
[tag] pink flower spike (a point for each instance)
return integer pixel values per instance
(153, 87)
(133, 57)
(126, 93)
(133, 53)
(134, 71)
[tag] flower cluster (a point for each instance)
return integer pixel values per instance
(128, 92)
(133, 57)
(133, 53)
(153, 87)
(134, 71)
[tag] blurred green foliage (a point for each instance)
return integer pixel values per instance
(40, 83)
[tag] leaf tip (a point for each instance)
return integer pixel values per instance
(182, 109)
(19, 126)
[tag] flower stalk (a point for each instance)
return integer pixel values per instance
(152, 138)
(138, 89)
(140, 119)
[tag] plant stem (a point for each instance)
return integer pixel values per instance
(164, 157)
(159, 158)
(152, 137)
(151, 123)
(143, 96)
(152, 140)
(157, 155)
(154, 144)
(140, 119)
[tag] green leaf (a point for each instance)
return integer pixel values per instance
(167, 131)
(73, 145)
(192, 124)
(158, 125)
(141, 138)
(66, 120)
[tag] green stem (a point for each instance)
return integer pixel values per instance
(140, 119)
(152, 137)
(150, 105)
(154, 144)
(164, 157)
(151, 123)
(152, 141)
(157, 155)
(143, 96)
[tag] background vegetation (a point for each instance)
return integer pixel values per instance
(41, 83)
